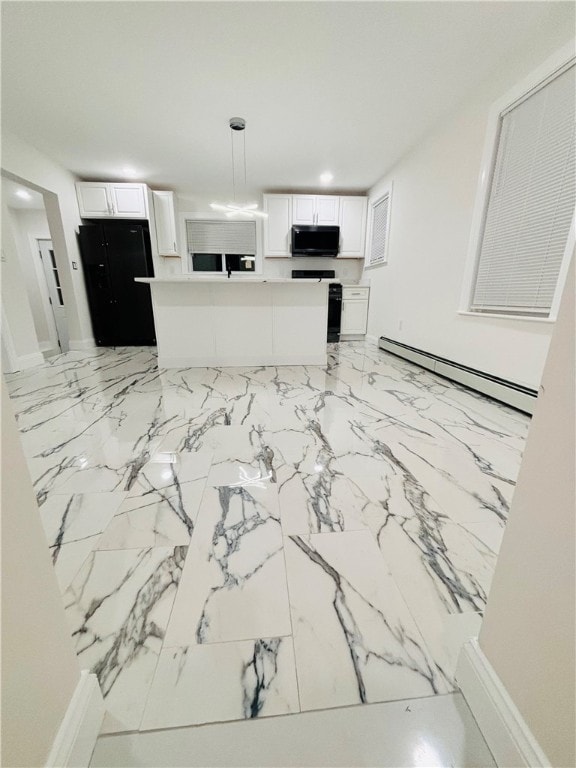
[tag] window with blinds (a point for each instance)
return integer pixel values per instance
(217, 245)
(380, 224)
(530, 204)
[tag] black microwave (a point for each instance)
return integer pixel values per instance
(308, 240)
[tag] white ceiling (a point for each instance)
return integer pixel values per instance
(342, 86)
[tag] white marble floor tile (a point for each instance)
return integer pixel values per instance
(163, 504)
(68, 518)
(69, 558)
(73, 525)
(319, 500)
(242, 454)
(234, 581)
(118, 607)
(390, 484)
(223, 681)
(354, 638)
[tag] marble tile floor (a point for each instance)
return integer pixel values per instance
(247, 542)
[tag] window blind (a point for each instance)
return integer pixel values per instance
(531, 202)
(214, 236)
(379, 241)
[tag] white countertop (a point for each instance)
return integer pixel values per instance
(224, 279)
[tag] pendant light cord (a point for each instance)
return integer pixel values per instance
(233, 167)
(244, 150)
(234, 164)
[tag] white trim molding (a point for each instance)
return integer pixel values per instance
(559, 60)
(80, 345)
(508, 736)
(30, 361)
(383, 191)
(76, 737)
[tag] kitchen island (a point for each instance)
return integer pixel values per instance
(239, 321)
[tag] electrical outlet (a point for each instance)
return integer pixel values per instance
(400, 324)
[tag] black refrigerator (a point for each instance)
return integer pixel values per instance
(113, 254)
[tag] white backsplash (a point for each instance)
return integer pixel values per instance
(349, 270)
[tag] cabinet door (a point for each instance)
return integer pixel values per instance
(352, 227)
(277, 227)
(327, 208)
(354, 316)
(127, 252)
(303, 209)
(97, 280)
(93, 199)
(129, 201)
(165, 220)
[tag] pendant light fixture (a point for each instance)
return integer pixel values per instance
(249, 210)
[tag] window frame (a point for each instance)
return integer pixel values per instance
(383, 191)
(198, 216)
(560, 60)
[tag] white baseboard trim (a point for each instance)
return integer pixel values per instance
(79, 345)
(508, 736)
(48, 350)
(29, 361)
(242, 361)
(76, 737)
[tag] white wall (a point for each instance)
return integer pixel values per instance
(415, 297)
(40, 669)
(528, 632)
(29, 226)
(40, 172)
(20, 333)
(346, 269)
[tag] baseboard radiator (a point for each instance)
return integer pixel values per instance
(517, 396)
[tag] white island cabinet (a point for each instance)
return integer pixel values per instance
(239, 321)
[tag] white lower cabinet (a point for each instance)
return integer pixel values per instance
(354, 310)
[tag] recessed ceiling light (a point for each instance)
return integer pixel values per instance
(23, 194)
(129, 172)
(326, 177)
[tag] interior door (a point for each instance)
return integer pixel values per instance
(54, 292)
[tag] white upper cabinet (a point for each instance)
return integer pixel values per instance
(165, 220)
(101, 200)
(347, 212)
(278, 225)
(93, 199)
(321, 210)
(352, 227)
(129, 201)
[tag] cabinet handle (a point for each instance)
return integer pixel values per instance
(174, 246)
